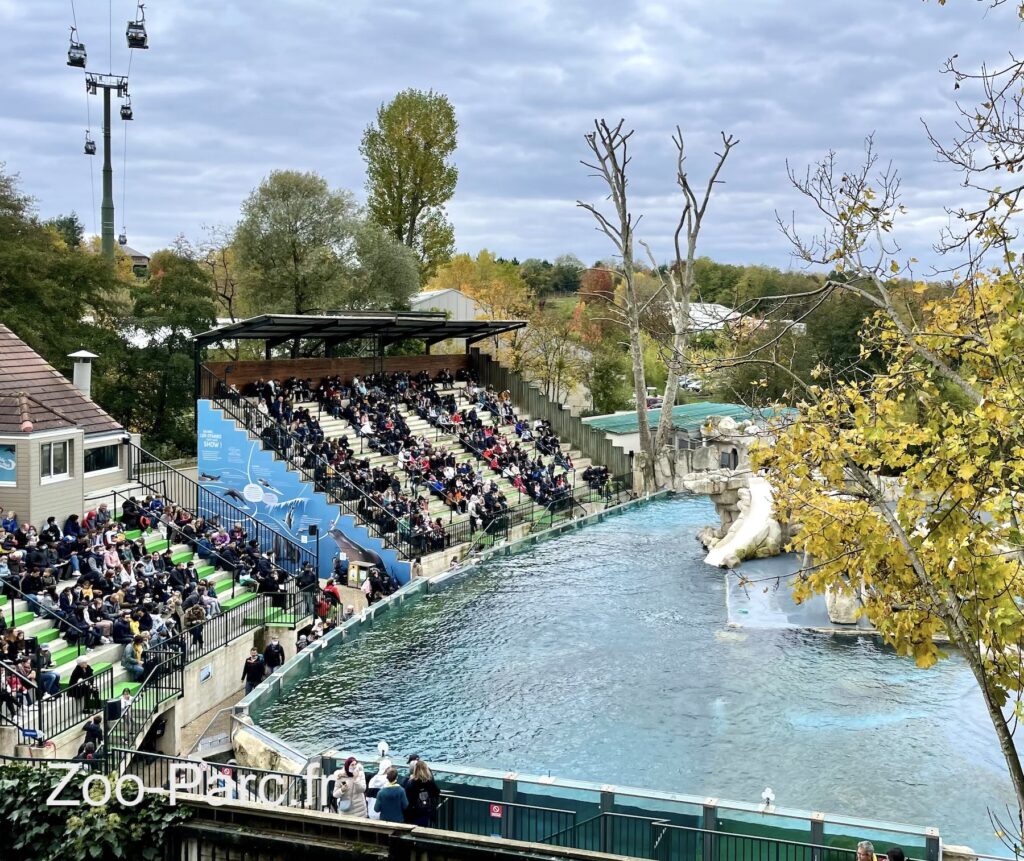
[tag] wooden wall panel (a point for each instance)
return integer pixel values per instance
(244, 372)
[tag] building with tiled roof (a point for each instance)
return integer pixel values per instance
(57, 446)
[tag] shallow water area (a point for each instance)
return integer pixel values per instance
(614, 654)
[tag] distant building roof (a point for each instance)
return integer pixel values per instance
(685, 417)
(430, 294)
(136, 256)
(710, 316)
(29, 383)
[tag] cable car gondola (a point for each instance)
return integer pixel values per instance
(126, 110)
(76, 51)
(136, 32)
(90, 145)
(122, 237)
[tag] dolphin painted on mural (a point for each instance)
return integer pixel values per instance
(205, 476)
(234, 494)
(355, 552)
(269, 486)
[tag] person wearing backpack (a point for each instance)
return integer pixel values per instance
(423, 795)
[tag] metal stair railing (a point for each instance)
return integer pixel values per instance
(161, 478)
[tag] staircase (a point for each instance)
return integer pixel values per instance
(244, 414)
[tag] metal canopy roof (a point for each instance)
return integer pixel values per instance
(389, 326)
(685, 417)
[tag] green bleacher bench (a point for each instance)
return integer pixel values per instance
(3, 600)
(132, 534)
(274, 616)
(65, 655)
(231, 603)
(23, 618)
(222, 586)
(182, 556)
(205, 570)
(47, 636)
(131, 687)
(158, 546)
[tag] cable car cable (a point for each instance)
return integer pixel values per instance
(124, 177)
(88, 126)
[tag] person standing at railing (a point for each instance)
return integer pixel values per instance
(350, 788)
(423, 794)
(392, 802)
(195, 618)
(307, 581)
(81, 685)
(7, 697)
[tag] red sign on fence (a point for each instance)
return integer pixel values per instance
(496, 811)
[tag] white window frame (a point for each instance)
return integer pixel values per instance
(53, 478)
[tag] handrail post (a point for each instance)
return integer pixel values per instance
(509, 792)
(710, 820)
(606, 805)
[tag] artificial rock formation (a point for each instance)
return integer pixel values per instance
(721, 470)
(843, 607)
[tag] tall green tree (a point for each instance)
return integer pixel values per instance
(566, 274)
(149, 384)
(409, 173)
(388, 272)
(295, 242)
(55, 297)
(70, 228)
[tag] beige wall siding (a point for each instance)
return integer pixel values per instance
(60, 498)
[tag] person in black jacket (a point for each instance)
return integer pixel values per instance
(93, 732)
(273, 655)
(306, 581)
(121, 632)
(423, 794)
(252, 670)
(81, 685)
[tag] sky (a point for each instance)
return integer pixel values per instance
(232, 90)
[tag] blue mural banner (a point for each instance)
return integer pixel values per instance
(8, 464)
(235, 466)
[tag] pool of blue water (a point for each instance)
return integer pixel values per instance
(607, 654)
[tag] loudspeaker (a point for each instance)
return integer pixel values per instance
(314, 530)
(111, 710)
(32, 645)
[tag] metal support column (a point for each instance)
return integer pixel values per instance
(107, 208)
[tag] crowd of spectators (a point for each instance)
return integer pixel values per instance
(397, 499)
(414, 799)
(101, 587)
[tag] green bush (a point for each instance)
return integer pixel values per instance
(36, 831)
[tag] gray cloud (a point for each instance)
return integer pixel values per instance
(230, 91)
